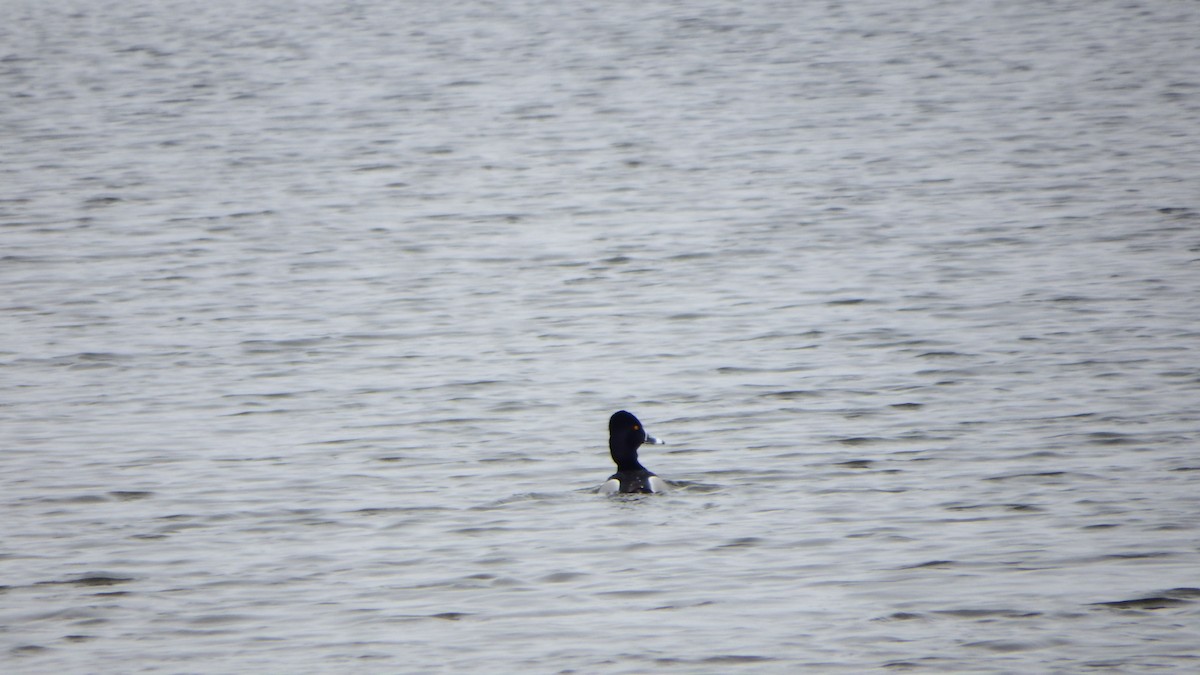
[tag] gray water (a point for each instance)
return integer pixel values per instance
(314, 314)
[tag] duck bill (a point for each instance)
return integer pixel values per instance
(654, 441)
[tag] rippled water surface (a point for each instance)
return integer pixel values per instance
(314, 314)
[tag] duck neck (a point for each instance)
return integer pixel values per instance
(626, 460)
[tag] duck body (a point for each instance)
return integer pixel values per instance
(625, 435)
(633, 482)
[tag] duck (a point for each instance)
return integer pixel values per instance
(625, 435)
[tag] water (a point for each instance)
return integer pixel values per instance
(314, 314)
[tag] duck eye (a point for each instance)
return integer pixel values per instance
(636, 427)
